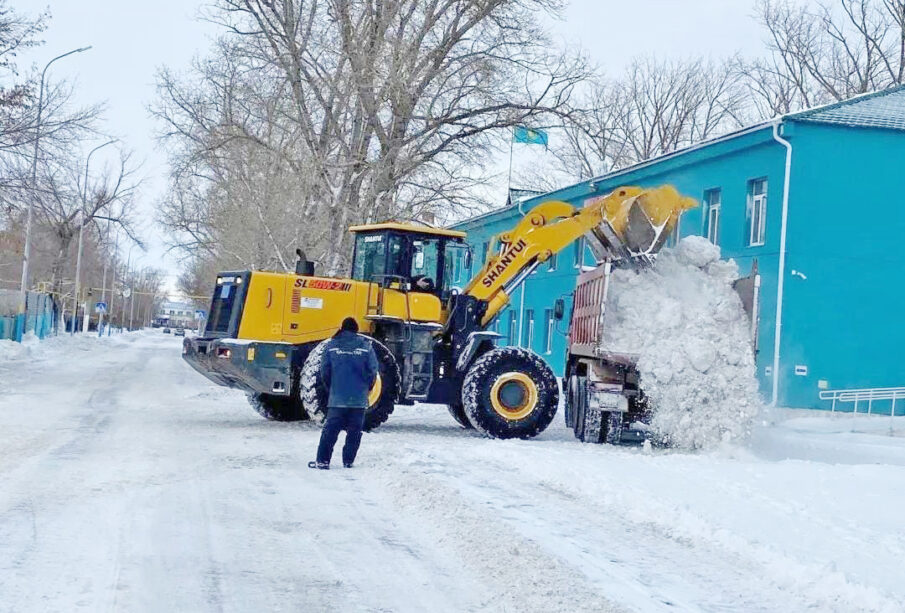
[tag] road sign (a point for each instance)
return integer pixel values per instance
(100, 307)
(127, 292)
(199, 314)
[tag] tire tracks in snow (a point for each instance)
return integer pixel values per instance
(650, 556)
(521, 574)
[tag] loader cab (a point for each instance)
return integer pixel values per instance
(411, 257)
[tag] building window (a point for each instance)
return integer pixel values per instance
(757, 212)
(551, 263)
(528, 330)
(579, 252)
(486, 248)
(549, 329)
(512, 337)
(712, 200)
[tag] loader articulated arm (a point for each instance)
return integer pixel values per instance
(628, 225)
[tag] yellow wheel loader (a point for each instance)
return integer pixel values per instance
(266, 330)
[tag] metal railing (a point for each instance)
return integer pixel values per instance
(867, 395)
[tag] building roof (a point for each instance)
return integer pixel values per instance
(517, 195)
(883, 109)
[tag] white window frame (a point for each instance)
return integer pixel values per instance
(551, 328)
(529, 330)
(579, 252)
(512, 333)
(757, 207)
(713, 214)
(551, 263)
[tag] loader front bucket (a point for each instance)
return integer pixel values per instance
(633, 230)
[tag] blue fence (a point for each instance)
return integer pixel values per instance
(39, 318)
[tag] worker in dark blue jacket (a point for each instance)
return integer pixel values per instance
(348, 371)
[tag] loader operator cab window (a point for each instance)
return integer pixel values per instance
(370, 257)
(423, 263)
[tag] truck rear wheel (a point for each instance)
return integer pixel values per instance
(570, 388)
(510, 393)
(383, 395)
(277, 408)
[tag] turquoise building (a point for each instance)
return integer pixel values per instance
(812, 202)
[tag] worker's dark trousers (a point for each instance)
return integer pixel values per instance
(341, 418)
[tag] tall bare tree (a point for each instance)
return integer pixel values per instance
(654, 107)
(370, 109)
(827, 51)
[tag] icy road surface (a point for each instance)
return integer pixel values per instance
(129, 483)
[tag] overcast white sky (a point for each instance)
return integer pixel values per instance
(132, 38)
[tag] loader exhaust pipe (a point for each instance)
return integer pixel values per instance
(303, 266)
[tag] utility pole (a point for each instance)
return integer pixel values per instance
(131, 288)
(78, 259)
(113, 286)
(23, 290)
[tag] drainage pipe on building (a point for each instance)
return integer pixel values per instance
(777, 334)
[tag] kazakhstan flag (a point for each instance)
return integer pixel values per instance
(521, 134)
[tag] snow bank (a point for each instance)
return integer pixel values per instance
(33, 348)
(687, 324)
(11, 350)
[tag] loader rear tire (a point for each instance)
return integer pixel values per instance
(314, 396)
(458, 413)
(277, 408)
(510, 393)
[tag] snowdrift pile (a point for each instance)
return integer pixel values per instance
(687, 324)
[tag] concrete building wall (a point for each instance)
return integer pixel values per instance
(844, 318)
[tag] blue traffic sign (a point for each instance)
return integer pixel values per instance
(100, 307)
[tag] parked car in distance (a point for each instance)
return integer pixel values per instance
(180, 332)
(166, 330)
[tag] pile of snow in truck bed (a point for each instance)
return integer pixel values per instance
(687, 324)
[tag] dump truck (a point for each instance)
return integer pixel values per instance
(266, 331)
(604, 400)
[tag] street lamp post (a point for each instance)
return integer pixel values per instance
(78, 258)
(122, 318)
(20, 323)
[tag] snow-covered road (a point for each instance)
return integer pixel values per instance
(128, 482)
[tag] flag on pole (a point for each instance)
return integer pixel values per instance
(521, 134)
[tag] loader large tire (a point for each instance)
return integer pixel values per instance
(314, 396)
(277, 408)
(510, 393)
(458, 413)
